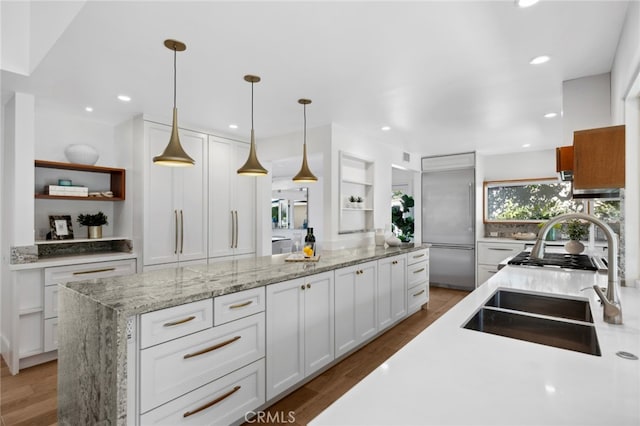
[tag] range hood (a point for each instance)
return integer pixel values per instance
(595, 193)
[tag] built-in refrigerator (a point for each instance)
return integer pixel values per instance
(448, 219)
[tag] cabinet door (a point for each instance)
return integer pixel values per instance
(366, 315)
(161, 221)
(385, 288)
(221, 216)
(244, 194)
(285, 335)
(191, 195)
(318, 321)
(399, 288)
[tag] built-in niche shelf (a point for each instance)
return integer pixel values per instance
(356, 180)
(114, 180)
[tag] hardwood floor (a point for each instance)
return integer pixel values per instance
(30, 398)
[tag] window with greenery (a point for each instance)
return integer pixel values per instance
(534, 200)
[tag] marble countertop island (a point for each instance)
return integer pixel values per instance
(449, 375)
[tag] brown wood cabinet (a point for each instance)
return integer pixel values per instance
(598, 158)
(564, 159)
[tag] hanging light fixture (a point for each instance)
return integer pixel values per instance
(304, 175)
(252, 167)
(174, 155)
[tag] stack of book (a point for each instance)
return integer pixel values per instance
(67, 191)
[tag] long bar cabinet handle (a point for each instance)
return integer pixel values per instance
(181, 231)
(94, 271)
(418, 271)
(214, 402)
(418, 255)
(175, 251)
(240, 305)
(212, 348)
(233, 229)
(237, 229)
(418, 293)
(178, 322)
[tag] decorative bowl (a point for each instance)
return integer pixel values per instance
(524, 236)
(81, 154)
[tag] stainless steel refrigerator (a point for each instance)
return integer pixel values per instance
(448, 224)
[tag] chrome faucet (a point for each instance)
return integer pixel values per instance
(611, 301)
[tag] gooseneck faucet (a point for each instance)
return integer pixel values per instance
(611, 301)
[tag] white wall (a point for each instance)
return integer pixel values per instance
(625, 107)
(586, 104)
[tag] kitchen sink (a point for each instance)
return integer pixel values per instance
(540, 304)
(546, 320)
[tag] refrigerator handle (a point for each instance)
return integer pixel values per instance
(471, 207)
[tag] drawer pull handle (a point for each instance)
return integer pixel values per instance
(241, 305)
(214, 402)
(418, 293)
(418, 271)
(182, 321)
(499, 249)
(418, 255)
(93, 271)
(212, 348)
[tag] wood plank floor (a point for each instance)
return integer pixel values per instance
(30, 397)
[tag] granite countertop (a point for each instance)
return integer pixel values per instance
(77, 259)
(158, 289)
(454, 376)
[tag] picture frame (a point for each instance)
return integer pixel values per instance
(61, 227)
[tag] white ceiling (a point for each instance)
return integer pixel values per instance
(446, 76)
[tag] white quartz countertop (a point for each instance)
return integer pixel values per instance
(449, 375)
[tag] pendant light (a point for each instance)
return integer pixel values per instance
(252, 167)
(304, 175)
(174, 155)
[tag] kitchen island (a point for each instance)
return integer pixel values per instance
(103, 334)
(449, 375)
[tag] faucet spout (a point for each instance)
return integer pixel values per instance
(611, 301)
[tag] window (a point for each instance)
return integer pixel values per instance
(529, 201)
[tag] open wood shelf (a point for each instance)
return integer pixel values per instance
(117, 180)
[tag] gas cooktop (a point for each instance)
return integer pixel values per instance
(559, 260)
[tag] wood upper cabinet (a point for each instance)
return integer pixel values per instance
(564, 159)
(598, 158)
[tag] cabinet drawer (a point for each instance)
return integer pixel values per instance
(51, 301)
(176, 367)
(87, 271)
(417, 273)
(417, 256)
(232, 396)
(177, 321)
(494, 253)
(485, 272)
(417, 297)
(50, 334)
(234, 306)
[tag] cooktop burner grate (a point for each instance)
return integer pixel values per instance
(560, 260)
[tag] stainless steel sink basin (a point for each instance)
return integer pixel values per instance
(547, 320)
(540, 304)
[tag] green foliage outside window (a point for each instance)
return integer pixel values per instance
(401, 216)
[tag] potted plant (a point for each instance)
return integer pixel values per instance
(352, 201)
(576, 230)
(94, 223)
(401, 219)
(359, 201)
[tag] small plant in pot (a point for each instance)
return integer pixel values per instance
(352, 201)
(94, 223)
(576, 230)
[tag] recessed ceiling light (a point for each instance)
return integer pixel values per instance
(551, 115)
(233, 126)
(526, 145)
(88, 109)
(526, 3)
(385, 128)
(124, 98)
(539, 60)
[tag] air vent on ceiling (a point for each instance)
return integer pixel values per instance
(406, 157)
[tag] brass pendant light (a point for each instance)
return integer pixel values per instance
(304, 175)
(174, 155)
(252, 167)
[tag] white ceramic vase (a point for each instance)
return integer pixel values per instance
(81, 154)
(574, 247)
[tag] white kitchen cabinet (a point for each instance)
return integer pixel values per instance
(300, 330)
(232, 200)
(392, 290)
(417, 280)
(356, 313)
(490, 254)
(175, 206)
